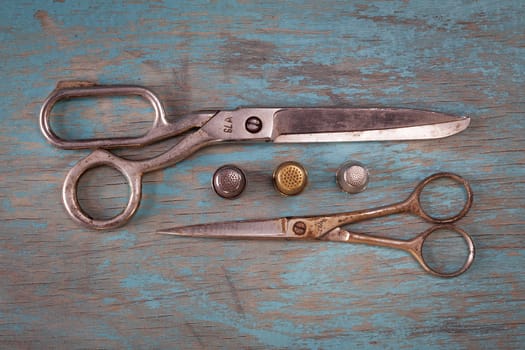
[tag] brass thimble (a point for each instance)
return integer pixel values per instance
(290, 178)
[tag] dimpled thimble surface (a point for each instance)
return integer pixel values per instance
(229, 181)
(290, 178)
(352, 177)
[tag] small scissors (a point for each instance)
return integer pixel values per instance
(328, 227)
(243, 124)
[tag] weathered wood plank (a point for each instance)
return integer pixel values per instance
(64, 286)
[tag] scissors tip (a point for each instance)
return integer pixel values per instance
(462, 124)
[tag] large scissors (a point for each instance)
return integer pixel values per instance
(329, 228)
(243, 124)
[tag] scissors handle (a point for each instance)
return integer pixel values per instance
(132, 171)
(317, 227)
(160, 129)
(414, 246)
(413, 202)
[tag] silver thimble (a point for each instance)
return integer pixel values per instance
(352, 177)
(229, 181)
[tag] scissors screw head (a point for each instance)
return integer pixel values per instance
(299, 228)
(253, 124)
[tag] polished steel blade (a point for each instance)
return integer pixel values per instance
(363, 124)
(275, 228)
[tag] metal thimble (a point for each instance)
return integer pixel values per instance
(290, 178)
(229, 181)
(352, 177)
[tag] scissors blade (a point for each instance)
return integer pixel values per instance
(363, 124)
(275, 228)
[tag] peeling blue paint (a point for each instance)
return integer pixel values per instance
(104, 265)
(413, 54)
(128, 238)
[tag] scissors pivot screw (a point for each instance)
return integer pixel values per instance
(253, 125)
(299, 228)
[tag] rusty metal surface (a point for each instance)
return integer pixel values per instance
(329, 227)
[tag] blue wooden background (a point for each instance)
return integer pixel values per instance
(67, 287)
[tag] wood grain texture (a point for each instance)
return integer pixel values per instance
(67, 287)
